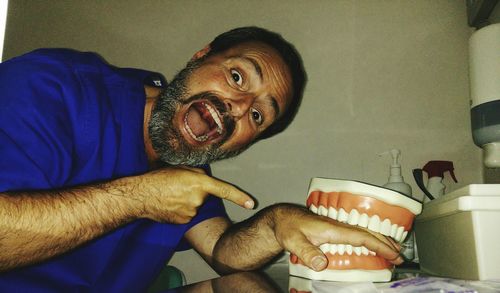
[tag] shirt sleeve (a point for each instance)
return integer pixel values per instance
(35, 142)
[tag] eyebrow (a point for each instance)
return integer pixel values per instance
(256, 66)
(258, 69)
(276, 108)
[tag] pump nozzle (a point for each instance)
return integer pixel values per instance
(396, 181)
(395, 154)
(395, 170)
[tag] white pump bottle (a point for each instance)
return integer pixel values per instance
(396, 181)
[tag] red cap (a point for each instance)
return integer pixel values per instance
(437, 169)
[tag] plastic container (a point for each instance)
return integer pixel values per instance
(458, 234)
(484, 74)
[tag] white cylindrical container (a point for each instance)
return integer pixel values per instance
(484, 75)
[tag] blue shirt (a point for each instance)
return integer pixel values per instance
(68, 118)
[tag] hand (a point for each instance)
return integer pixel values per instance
(301, 232)
(174, 194)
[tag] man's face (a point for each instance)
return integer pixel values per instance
(215, 107)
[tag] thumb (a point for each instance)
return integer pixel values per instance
(309, 254)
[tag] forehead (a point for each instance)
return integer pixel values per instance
(269, 64)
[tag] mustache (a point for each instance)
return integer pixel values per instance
(220, 106)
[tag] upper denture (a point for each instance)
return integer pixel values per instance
(376, 209)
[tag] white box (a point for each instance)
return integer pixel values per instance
(458, 235)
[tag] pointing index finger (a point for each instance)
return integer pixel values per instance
(229, 192)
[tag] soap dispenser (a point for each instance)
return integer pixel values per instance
(396, 181)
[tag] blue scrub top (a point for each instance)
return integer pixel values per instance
(69, 118)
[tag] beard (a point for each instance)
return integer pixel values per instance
(168, 142)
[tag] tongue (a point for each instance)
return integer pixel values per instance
(196, 122)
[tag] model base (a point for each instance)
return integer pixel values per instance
(384, 275)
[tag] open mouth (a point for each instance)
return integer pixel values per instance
(355, 203)
(203, 122)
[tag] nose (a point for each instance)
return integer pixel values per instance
(239, 106)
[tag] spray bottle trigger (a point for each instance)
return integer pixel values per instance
(453, 175)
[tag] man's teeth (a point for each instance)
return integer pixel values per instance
(342, 249)
(215, 117)
(373, 223)
(204, 137)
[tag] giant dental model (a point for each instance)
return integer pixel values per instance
(375, 208)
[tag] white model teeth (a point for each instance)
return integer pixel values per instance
(332, 213)
(394, 229)
(373, 223)
(385, 227)
(347, 249)
(399, 233)
(342, 216)
(353, 217)
(322, 211)
(363, 220)
(405, 233)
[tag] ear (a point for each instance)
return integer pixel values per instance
(201, 53)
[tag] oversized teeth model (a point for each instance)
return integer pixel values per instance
(378, 209)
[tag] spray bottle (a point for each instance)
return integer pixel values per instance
(435, 171)
(435, 188)
(396, 181)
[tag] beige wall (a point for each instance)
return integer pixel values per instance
(382, 74)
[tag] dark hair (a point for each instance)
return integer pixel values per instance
(286, 50)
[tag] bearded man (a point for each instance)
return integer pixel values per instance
(102, 179)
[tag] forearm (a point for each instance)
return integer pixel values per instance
(252, 243)
(38, 225)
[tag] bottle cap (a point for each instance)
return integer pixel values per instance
(437, 169)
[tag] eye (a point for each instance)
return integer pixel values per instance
(256, 116)
(236, 76)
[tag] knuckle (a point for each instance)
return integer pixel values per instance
(198, 200)
(224, 193)
(190, 213)
(306, 252)
(183, 220)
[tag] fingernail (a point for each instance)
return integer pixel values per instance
(249, 204)
(318, 263)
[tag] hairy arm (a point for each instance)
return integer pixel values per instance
(35, 226)
(248, 245)
(252, 243)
